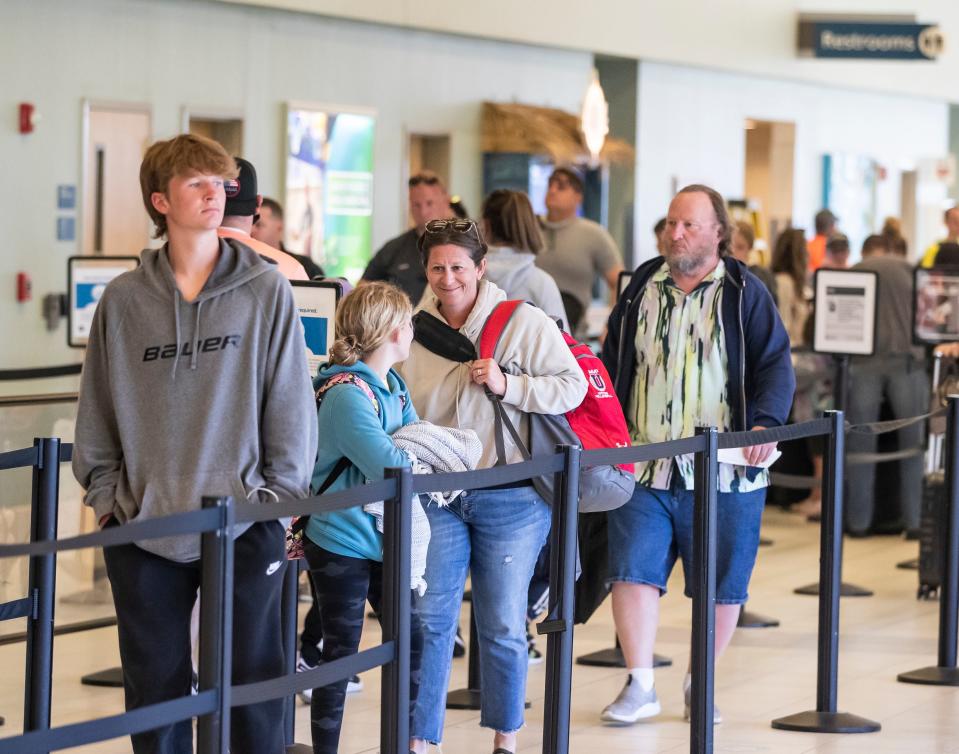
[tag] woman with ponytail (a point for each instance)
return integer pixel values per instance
(514, 240)
(361, 401)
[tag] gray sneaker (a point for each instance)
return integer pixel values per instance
(632, 704)
(687, 693)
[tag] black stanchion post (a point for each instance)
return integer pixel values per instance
(613, 658)
(558, 625)
(825, 718)
(42, 580)
(216, 627)
(840, 397)
(397, 601)
(945, 672)
(288, 616)
(704, 595)
(470, 697)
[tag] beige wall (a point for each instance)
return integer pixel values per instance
(748, 36)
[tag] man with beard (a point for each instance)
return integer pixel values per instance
(695, 340)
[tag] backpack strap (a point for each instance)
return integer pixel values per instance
(495, 324)
(488, 341)
(348, 378)
(343, 378)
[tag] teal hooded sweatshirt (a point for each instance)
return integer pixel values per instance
(349, 427)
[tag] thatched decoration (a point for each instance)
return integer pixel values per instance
(544, 131)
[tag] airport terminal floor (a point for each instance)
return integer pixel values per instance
(766, 673)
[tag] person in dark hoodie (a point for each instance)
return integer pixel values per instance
(195, 383)
(694, 340)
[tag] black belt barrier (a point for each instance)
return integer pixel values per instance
(218, 516)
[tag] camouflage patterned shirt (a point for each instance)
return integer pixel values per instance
(681, 377)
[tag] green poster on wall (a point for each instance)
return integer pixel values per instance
(329, 188)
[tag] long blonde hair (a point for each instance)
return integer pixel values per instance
(365, 319)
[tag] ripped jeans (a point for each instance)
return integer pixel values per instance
(496, 535)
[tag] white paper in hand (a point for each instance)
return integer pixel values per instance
(735, 457)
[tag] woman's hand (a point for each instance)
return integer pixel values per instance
(487, 372)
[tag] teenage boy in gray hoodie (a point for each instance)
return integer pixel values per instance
(195, 383)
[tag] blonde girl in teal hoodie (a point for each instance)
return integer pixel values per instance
(366, 402)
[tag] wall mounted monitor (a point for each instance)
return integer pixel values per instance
(845, 319)
(87, 278)
(316, 302)
(936, 305)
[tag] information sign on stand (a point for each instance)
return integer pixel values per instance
(316, 302)
(845, 318)
(87, 278)
(935, 305)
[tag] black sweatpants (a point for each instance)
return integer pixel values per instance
(343, 586)
(154, 598)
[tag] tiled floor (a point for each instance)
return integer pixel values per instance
(765, 674)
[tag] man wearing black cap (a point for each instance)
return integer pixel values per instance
(242, 203)
(577, 250)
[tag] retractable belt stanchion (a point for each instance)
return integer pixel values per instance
(825, 718)
(840, 395)
(289, 619)
(397, 606)
(945, 672)
(216, 627)
(703, 657)
(42, 580)
(558, 625)
(613, 658)
(469, 698)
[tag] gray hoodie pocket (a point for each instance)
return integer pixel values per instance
(173, 493)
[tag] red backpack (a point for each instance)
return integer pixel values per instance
(597, 422)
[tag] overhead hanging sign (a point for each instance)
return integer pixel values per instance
(870, 40)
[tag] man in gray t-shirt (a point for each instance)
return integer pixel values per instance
(895, 374)
(577, 250)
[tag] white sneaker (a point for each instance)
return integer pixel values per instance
(687, 715)
(353, 685)
(632, 704)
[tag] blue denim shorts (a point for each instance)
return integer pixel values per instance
(656, 526)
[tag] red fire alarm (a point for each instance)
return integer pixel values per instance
(26, 118)
(24, 287)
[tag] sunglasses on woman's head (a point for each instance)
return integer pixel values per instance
(453, 225)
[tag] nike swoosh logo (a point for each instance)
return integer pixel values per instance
(273, 567)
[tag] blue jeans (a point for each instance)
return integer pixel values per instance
(656, 526)
(496, 535)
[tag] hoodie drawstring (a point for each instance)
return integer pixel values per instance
(176, 328)
(196, 335)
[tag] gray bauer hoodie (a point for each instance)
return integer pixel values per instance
(184, 399)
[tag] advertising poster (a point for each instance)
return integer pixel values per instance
(316, 302)
(87, 278)
(845, 321)
(329, 188)
(936, 305)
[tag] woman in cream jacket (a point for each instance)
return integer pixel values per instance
(497, 533)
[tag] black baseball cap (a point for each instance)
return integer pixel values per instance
(241, 191)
